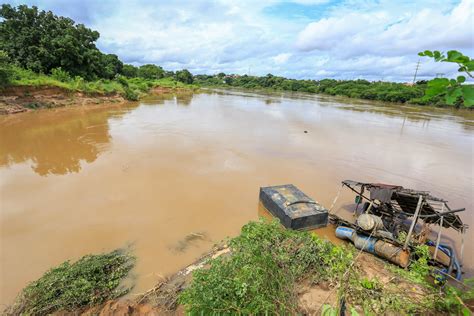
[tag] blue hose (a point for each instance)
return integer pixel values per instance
(454, 263)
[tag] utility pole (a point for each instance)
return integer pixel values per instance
(416, 71)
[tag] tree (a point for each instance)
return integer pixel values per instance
(184, 76)
(169, 74)
(151, 71)
(41, 41)
(454, 91)
(5, 69)
(129, 71)
(111, 66)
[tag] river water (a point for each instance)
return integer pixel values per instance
(174, 174)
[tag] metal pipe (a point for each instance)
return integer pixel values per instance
(370, 206)
(373, 245)
(439, 237)
(445, 213)
(463, 233)
(413, 223)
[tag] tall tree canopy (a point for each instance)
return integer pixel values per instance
(184, 76)
(150, 71)
(41, 41)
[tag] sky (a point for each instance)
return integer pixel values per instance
(302, 39)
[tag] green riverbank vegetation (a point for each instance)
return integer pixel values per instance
(265, 272)
(131, 88)
(69, 287)
(438, 92)
(268, 264)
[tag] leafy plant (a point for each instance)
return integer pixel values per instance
(91, 280)
(419, 268)
(184, 76)
(130, 94)
(60, 75)
(5, 69)
(454, 91)
(453, 298)
(259, 276)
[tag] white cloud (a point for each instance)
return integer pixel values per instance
(381, 32)
(374, 39)
(381, 42)
(281, 58)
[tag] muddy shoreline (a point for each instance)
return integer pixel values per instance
(18, 99)
(162, 299)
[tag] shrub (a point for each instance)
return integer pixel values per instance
(122, 80)
(184, 76)
(91, 280)
(130, 94)
(60, 75)
(5, 69)
(259, 276)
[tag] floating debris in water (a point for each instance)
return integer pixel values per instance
(189, 240)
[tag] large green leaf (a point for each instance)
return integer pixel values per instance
(453, 94)
(468, 94)
(454, 56)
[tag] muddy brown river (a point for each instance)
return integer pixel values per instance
(174, 174)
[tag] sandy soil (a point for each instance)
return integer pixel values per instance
(24, 98)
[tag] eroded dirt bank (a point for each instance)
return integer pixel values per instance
(25, 98)
(17, 99)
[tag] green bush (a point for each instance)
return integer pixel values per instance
(90, 281)
(259, 276)
(60, 75)
(454, 298)
(122, 80)
(6, 71)
(130, 94)
(184, 76)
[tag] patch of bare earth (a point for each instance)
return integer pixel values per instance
(24, 98)
(312, 297)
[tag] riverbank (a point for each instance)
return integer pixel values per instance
(268, 269)
(17, 99)
(29, 91)
(392, 92)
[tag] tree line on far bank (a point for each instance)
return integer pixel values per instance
(438, 91)
(363, 89)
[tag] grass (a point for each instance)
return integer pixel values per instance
(130, 88)
(90, 281)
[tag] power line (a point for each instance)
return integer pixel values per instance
(416, 71)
